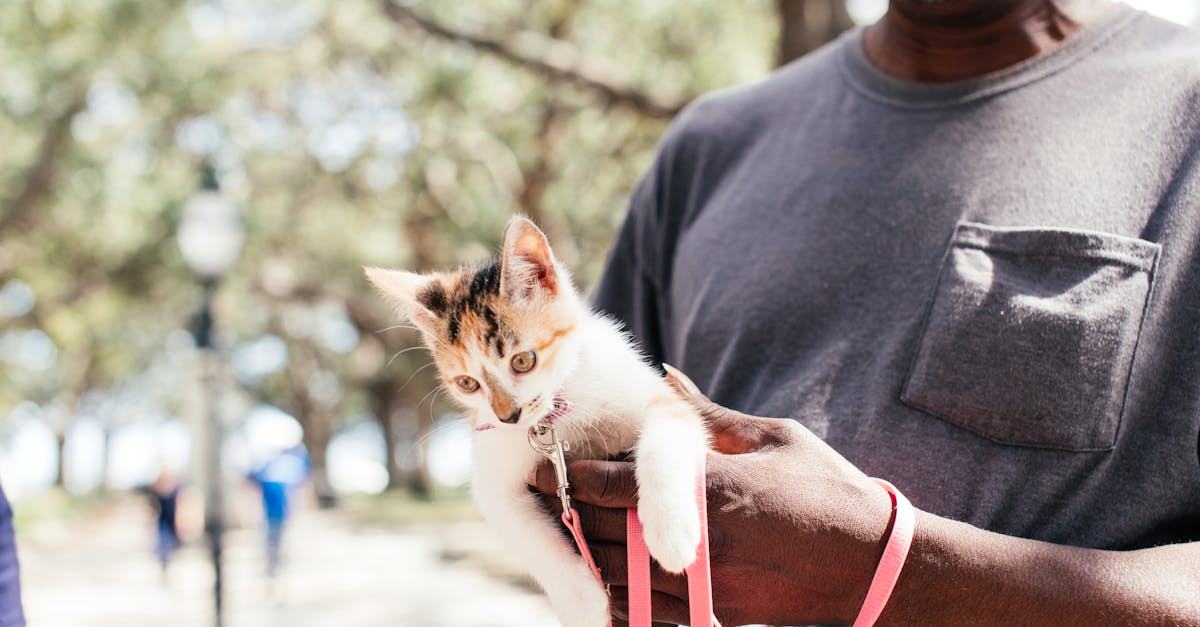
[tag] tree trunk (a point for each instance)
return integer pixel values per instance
(317, 434)
(314, 416)
(382, 405)
(395, 403)
(420, 481)
(538, 176)
(805, 25)
(61, 437)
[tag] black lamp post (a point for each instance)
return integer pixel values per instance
(210, 237)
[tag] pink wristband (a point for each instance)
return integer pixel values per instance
(892, 562)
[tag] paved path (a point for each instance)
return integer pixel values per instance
(99, 572)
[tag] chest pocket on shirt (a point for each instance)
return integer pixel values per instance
(1030, 335)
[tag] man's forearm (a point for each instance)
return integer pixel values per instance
(960, 575)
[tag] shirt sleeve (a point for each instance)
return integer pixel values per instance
(629, 289)
(636, 284)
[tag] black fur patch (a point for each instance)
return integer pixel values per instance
(434, 299)
(486, 281)
(484, 284)
(493, 325)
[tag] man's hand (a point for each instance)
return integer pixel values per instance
(795, 530)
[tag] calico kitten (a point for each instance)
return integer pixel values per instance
(513, 340)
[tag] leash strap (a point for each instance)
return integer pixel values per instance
(543, 438)
(892, 562)
(570, 518)
(699, 575)
(639, 570)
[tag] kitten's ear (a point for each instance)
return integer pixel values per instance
(415, 296)
(527, 265)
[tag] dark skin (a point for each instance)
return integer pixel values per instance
(796, 530)
(954, 40)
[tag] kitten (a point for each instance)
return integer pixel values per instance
(515, 344)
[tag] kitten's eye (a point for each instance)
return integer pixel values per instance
(524, 362)
(466, 384)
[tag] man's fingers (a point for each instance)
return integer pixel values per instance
(603, 483)
(601, 524)
(543, 479)
(599, 482)
(665, 607)
(613, 563)
(621, 622)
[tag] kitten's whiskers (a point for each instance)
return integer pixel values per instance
(399, 353)
(398, 326)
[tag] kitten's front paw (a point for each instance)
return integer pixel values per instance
(672, 534)
(582, 602)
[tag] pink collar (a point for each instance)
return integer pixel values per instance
(560, 408)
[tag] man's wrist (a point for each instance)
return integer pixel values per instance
(891, 563)
(958, 574)
(868, 536)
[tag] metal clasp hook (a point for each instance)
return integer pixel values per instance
(544, 439)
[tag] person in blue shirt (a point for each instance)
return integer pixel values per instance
(276, 478)
(11, 613)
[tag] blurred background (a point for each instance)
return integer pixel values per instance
(188, 192)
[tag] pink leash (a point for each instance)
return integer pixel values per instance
(699, 575)
(894, 555)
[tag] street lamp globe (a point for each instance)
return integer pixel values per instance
(210, 231)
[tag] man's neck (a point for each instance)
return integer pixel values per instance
(937, 41)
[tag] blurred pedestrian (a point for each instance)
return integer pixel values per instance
(164, 498)
(11, 614)
(276, 478)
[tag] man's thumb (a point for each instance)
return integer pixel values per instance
(732, 432)
(682, 384)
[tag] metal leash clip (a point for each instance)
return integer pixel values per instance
(544, 439)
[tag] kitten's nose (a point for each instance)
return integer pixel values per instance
(514, 417)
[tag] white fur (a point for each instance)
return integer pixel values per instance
(620, 403)
(613, 392)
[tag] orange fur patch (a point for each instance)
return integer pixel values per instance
(663, 400)
(502, 403)
(554, 336)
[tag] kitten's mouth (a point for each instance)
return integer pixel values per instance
(559, 407)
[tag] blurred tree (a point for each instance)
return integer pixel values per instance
(806, 25)
(362, 132)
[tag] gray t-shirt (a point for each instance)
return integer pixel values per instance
(987, 292)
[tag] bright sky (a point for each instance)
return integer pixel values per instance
(1183, 11)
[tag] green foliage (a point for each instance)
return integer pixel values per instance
(348, 137)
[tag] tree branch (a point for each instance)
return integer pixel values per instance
(555, 59)
(41, 175)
